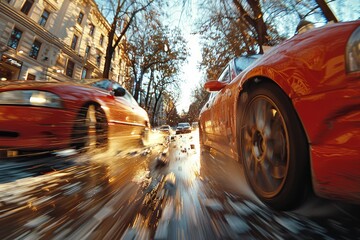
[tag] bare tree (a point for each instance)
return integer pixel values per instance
(254, 16)
(200, 97)
(172, 116)
(153, 49)
(164, 85)
(120, 14)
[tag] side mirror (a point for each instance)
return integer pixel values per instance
(119, 92)
(214, 86)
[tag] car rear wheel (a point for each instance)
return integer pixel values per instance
(274, 148)
(90, 129)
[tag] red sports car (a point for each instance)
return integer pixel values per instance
(292, 119)
(57, 115)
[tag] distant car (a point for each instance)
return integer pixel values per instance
(194, 125)
(183, 128)
(166, 129)
(55, 115)
(292, 118)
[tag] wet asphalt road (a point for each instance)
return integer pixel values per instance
(167, 189)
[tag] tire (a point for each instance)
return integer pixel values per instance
(273, 148)
(90, 129)
(101, 127)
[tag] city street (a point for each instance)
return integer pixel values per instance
(179, 120)
(167, 189)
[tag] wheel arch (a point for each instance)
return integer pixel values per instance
(88, 103)
(99, 120)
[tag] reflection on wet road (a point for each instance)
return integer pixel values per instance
(166, 189)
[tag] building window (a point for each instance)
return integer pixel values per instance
(98, 60)
(35, 48)
(15, 38)
(87, 51)
(84, 73)
(101, 40)
(92, 29)
(27, 6)
(70, 68)
(80, 18)
(44, 17)
(74, 41)
(30, 77)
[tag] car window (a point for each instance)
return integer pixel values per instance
(104, 84)
(243, 62)
(225, 75)
(212, 95)
(211, 98)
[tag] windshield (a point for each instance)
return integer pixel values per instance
(243, 62)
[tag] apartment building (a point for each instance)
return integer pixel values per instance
(54, 40)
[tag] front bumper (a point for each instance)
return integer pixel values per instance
(332, 123)
(34, 128)
(180, 131)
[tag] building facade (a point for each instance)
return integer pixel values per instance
(60, 40)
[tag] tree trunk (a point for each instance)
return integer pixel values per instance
(109, 53)
(157, 98)
(260, 26)
(138, 85)
(257, 22)
(328, 14)
(148, 94)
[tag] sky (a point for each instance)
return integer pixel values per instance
(190, 74)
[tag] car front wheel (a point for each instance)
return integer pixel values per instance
(274, 148)
(90, 129)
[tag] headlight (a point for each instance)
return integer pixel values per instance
(353, 52)
(30, 97)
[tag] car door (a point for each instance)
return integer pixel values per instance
(139, 115)
(229, 103)
(218, 110)
(206, 122)
(121, 111)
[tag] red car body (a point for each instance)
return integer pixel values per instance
(312, 69)
(26, 127)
